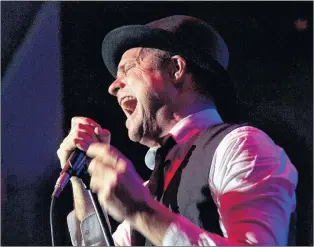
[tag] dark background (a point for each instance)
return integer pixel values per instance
(271, 60)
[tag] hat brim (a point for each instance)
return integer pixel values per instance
(124, 38)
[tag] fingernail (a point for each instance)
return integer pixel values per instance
(96, 130)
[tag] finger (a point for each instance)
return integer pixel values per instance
(81, 136)
(97, 184)
(103, 135)
(92, 166)
(83, 120)
(98, 168)
(101, 175)
(71, 141)
(99, 151)
(67, 147)
(109, 155)
(90, 130)
(85, 131)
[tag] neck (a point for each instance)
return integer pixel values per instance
(176, 116)
(191, 108)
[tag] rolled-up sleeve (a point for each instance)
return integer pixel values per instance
(87, 232)
(253, 185)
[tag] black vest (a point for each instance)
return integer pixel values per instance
(188, 193)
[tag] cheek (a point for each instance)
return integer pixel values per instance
(149, 88)
(151, 79)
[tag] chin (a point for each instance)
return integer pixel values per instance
(134, 135)
(133, 138)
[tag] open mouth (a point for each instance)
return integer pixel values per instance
(128, 104)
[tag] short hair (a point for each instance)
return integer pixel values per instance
(162, 57)
(204, 79)
(208, 82)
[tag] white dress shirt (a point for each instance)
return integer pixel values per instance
(252, 182)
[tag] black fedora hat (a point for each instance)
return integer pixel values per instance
(193, 39)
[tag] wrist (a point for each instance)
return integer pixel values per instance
(75, 180)
(152, 220)
(77, 183)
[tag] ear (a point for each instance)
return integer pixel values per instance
(178, 70)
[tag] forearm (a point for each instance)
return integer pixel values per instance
(153, 221)
(83, 206)
(165, 228)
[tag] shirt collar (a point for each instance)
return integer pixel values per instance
(185, 129)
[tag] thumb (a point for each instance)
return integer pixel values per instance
(103, 135)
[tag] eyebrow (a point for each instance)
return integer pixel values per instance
(121, 68)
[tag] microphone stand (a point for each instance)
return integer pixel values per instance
(99, 212)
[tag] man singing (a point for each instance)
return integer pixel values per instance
(213, 182)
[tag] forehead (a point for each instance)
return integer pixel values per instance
(131, 54)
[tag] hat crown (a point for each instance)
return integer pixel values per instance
(195, 33)
(193, 39)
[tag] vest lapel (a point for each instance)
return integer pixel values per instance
(178, 155)
(156, 180)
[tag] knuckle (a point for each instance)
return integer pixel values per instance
(122, 166)
(81, 126)
(74, 120)
(84, 120)
(78, 120)
(77, 141)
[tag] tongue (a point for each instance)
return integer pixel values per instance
(130, 104)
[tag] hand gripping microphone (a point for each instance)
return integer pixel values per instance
(75, 166)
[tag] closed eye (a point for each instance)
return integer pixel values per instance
(124, 68)
(127, 68)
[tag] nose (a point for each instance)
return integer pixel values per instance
(116, 86)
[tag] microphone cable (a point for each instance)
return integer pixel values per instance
(53, 199)
(75, 166)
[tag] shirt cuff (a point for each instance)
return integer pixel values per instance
(88, 233)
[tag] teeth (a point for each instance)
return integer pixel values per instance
(129, 103)
(127, 98)
(129, 109)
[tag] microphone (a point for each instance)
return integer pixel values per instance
(74, 166)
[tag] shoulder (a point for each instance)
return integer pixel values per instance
(248, 146)
(246, 135)
(249, 155)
